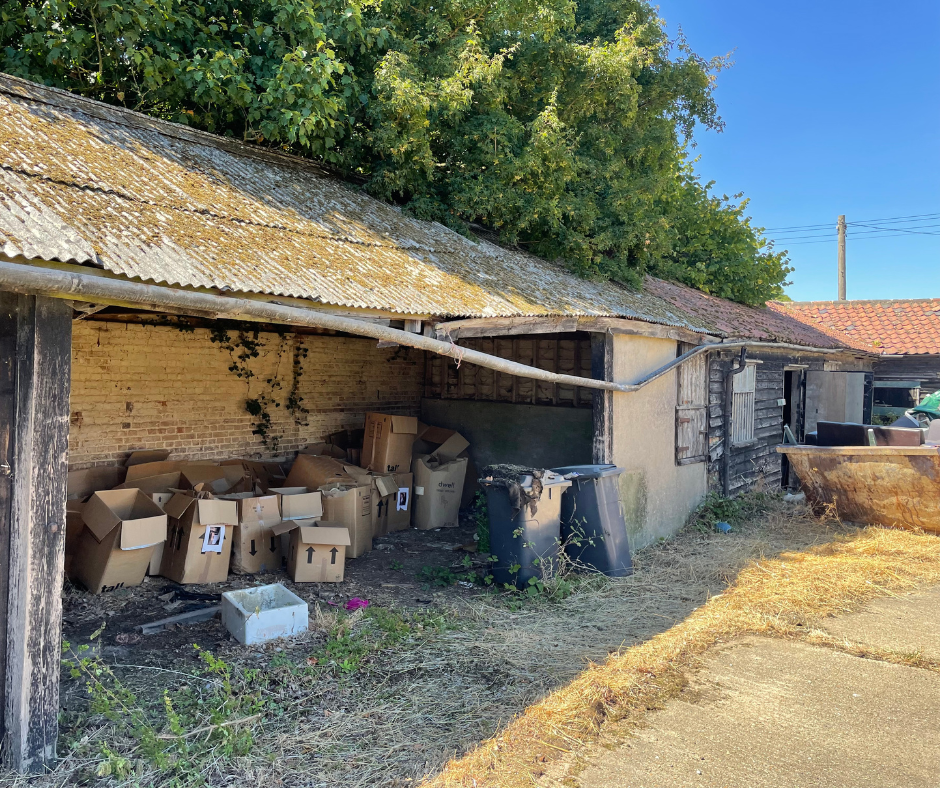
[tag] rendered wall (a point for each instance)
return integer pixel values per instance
(657, 494)
(154, 387)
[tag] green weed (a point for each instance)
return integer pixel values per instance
(734, 511)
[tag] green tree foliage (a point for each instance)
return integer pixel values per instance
(265, 70)
(563, 125)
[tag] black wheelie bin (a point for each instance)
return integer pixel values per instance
(592, 526)
(524, 514)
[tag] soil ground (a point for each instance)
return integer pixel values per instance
(387, 576)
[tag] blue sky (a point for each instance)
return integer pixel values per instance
(831, 108)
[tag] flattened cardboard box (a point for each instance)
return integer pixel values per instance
(199, 544)
(116, 545)
(392, 505)
(316, 552)
(255, 547)
(351, 507)
(167, 466)
(146, 455)
(315, 471)
(298, 503)
(81, 484)
(386, 447)
(160, 483)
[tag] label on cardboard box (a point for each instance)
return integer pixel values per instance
(212, 541)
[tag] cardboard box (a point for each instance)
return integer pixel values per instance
(74, 525)
(351, 508)
(217, 479)
(115, 547)
(262, 474)
(153, 484)
(386, 447)
(255, 547)
(160, 499)
(314, 471)
(316, 551)
(148, 455)
(297, 503)
(393, 504)
(325, 450)
(439, 479)
(167, 466)
(81, 484)
(199, 544)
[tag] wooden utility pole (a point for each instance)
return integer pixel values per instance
(841, 258)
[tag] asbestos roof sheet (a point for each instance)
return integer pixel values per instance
(727, 318)
(88, 183)
(901, 327)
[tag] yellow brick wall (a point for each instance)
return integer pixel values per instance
(154, 387)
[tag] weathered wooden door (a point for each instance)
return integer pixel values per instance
(692, 411)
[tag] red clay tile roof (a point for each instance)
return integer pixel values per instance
(736, 321)
(903, 327)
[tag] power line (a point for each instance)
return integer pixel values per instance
(863, 238)
(890, 219)
(894, 229)
(910, 218)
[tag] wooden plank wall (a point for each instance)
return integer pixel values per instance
(924, 368)
(568, 354)
(757, 461)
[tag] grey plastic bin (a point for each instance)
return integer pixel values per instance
(592, 524)
(528, 541)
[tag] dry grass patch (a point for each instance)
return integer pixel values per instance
(783, 597)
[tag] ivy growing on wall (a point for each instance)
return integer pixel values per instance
(245, 346)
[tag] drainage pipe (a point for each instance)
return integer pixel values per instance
(75, 285)
(726, 418)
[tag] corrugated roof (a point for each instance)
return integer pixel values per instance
(890, 327)
(728, 318)
(81, 181)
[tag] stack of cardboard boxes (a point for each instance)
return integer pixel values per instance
(194, 521)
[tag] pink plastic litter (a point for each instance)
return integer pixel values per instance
(355, 603)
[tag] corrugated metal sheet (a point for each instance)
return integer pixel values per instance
(85, 182)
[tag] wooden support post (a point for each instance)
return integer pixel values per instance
(34, 426)
(602, 368)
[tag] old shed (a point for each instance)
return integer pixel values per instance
(163, 288)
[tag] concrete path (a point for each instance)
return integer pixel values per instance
(778, 714)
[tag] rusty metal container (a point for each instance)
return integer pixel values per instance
(879, 485)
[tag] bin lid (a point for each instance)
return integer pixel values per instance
(589, 471)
